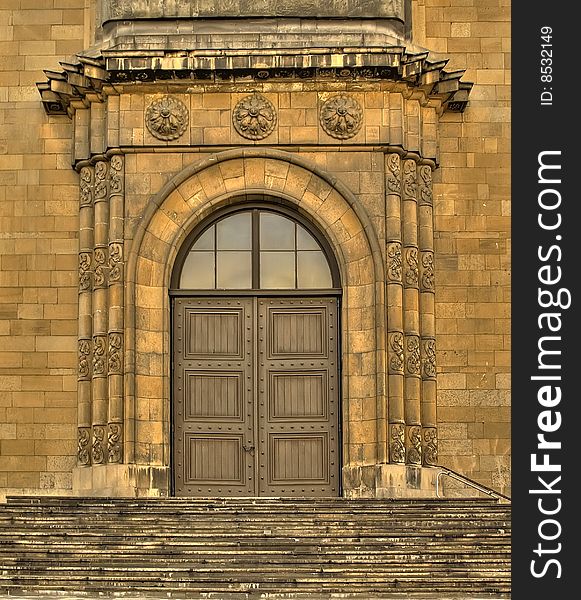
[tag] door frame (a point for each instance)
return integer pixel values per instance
(258, 202)
(256, 294)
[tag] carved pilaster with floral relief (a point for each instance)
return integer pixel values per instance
(85, 318)
(116, 309)
(411, 310)
(395, 336)
(100, 312)
(427, 285)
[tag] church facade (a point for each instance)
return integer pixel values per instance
(254, 249)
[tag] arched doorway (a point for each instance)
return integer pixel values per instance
(255, 349)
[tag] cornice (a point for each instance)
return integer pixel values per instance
(82, 82)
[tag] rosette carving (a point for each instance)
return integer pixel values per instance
(394, 174)
(100, 180)
(410, 184)
(115, 262)
(100, 262)
(429, 359)
(427, 271)
(341, 117)
(83, 445)
(166, 118)
(426, 184)
(397, 445)
(99, 354)
(254, 117)
(114, 443)
(115, 353)
(115, 175)
(97, 449)
(84, 359)
(86, 186)
(84, 271)
(394, 261)
(396, 359)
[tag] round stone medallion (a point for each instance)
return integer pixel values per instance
(254, 117)
(166, 118)
(341, 117)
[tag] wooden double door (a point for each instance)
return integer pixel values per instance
(256, 396)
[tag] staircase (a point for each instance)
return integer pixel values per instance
(268, 548)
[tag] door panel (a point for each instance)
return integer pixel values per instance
(298, 397)
(213, 413)
(296, 332)
(255, 404)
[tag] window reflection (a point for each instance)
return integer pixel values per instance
(234, 270)
(286, 255)
(206, 240)
(276, 232)
(235, 232)
(277, 270)
(313, 270)
(305, 241)
(198, 271)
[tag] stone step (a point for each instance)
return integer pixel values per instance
(8, 511)
(334, 519)
(254, 548)
(217, 591)
(206, 506)
(252, 510)
(11, 512)
(319, 543)
(266, 527)
(136, 580)
(267, 595)
(234, 500)
(282, 559)
(137, 529)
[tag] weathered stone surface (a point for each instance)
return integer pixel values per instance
(341, 186)
(348, 548)
(140, 9)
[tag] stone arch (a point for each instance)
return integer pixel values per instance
(189, 197)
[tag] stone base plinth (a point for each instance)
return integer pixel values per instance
(389, 481)
(121, 481)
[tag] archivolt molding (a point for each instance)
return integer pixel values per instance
(312, 175)
(220, 180)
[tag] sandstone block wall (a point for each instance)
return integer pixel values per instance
(39, 237)
(38, 247)
(472, 238)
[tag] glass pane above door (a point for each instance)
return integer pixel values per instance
(256, 249)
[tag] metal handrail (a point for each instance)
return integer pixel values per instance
(469, 482)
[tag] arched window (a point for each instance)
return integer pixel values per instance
(255, 249)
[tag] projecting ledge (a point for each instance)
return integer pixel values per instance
(121, 481)
(390, 481)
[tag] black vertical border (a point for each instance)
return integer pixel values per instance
(537, 128)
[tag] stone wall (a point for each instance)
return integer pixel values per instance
(38, 250)
(472, 224)
(39, 204)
